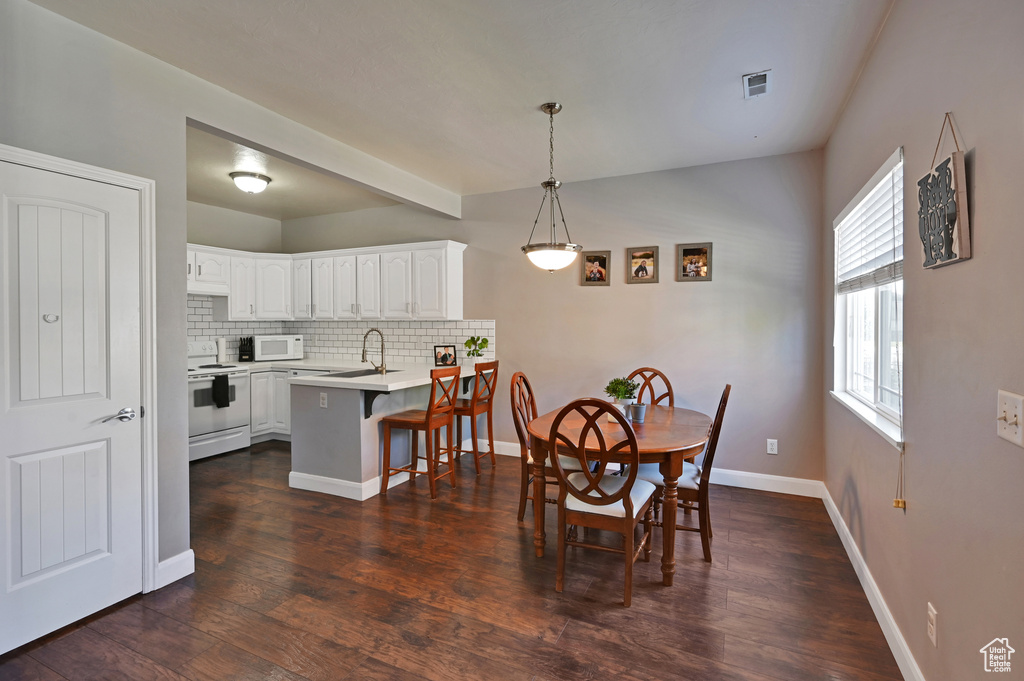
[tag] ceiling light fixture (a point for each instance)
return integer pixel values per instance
(252, 183)
(553, 255)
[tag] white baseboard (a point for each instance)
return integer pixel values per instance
(500, 448)
(174, 568)
(800, 487)
(897, 644)
(335, 486)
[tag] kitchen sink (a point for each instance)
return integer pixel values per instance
(358, 373)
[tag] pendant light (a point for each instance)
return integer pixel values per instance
(553, 255)
(251, 183)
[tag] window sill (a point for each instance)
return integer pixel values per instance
(889, 431)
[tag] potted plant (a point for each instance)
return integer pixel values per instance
(623, 391)
(475, 345)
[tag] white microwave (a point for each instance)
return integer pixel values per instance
(272, 348)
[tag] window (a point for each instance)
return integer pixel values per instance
(869, 297)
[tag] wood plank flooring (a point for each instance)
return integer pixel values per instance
(293, 585)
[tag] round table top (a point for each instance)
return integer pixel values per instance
(665, 430)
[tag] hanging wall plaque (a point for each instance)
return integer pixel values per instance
(942, 216)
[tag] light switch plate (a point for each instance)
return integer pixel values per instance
(1009, 413)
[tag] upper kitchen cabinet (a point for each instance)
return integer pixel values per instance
(207, 271)
(302, 288)
(423, 283)
(357, 286)
(396, 285)
(273, 288)
(322, 288)
(242, 298)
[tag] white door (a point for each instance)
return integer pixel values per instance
(70, 477)
(302, 288)
(429, 297)
(323, 288)
(396, 285)
(273, 289)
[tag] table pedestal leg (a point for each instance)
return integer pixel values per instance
(539, 493)
(669, 506)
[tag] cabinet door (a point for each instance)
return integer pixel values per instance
(396, 285)
(368, 286)
(345, 287)
(282, 414)
(323, 288)
(242, 295)
(190, 268)
(273, 288)
(429, 294)
(302, 288)
(212, 269)
(261, 401)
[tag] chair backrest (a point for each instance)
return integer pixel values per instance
(524, 410)
(650, 377)
(444, 388)
(581, 432)
(486, 382)
(716, 430)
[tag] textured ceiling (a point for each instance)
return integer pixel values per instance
(294, 191)
(448, 89)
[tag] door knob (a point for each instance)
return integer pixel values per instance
(126, 414)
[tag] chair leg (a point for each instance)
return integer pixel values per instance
(415, 456)
(560, 569)
(458, 437)
(386, 434)
(704, 520)
(523, 488)
(476, 445)
(648, 527)
(490, 434)
(627, 540)
(453, 471)
(431, 464)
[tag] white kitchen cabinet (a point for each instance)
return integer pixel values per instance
(396, 285)
(281, 421)
(242, 295)
(302, 288)
(368, 301)
(429, 284)
(345, 296)
(207, 272)
(322, 295)
(261, 401)
(273, 288)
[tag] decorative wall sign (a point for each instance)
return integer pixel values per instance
(693, 262)
(642, 265)
(942, 214)
(594, 268)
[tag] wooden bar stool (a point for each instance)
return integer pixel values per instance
(482, 402)
(444, 387)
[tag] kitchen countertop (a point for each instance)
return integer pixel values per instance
(399, 376)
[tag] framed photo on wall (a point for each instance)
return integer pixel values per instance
(693, 262)
(642, 265)
(594, 268)
(444, 356)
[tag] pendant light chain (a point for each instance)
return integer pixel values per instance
(551, 132)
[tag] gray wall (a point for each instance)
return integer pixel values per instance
(756, 324)
(213, 226)
(960, 543)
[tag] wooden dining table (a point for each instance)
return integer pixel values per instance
(668, 437)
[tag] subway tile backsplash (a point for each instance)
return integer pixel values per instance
(407, 341)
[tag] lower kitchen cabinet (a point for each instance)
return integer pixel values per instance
(270, 403)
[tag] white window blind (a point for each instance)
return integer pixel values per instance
(869, 233)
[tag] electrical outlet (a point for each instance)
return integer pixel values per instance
(932, 632)
(323, 400)
(1009, 412)
(773, 446)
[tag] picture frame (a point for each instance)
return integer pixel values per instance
(942, 215)
(642, 265)
(693, 262)
(594, 268)
(444, 356)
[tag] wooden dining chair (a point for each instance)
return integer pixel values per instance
(481, 402)
(444, 386)
(597, 436)
(694, 482)
(655, 385)
(524, 410)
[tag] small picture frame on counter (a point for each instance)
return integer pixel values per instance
(444, 356)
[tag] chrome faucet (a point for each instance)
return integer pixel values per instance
(383, 368)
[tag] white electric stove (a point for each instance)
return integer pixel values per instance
(218, 403)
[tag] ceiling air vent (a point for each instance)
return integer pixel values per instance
(757, 84)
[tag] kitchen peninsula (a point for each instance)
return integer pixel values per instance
(336, 426)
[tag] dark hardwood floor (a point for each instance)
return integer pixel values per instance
(296, 585)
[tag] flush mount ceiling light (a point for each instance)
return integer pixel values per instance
(555, 254)
(252, 183)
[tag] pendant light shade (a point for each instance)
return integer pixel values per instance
(252, 183)
(553, 254)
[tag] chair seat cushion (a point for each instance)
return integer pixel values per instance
(690, 478)
(569, 463)
(641, 492)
